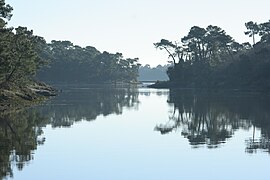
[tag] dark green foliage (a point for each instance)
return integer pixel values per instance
(18, 56)
(19, 52)
(22, 54)
(74, 64)
(212, 59)
(5, 10)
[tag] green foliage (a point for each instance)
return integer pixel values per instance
(19, 51)
(212, 59)
(18, 56)
(5, 10)
(74, 64)
(22, 54)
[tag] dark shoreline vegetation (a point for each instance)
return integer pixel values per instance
(28, 60)
(206, 58)
(19, 59)
(209, 58)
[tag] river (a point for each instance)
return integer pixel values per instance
(97, 132)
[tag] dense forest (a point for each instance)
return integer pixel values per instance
(70, 63)
(209, 58)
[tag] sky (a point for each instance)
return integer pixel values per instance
(132, 26)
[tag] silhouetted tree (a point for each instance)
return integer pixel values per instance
(252, 30)
(212, 59)
(168, 46)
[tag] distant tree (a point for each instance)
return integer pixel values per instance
(252, 30)
(147, 73)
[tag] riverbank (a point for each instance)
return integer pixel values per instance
(161, 85)
(173, 85)
(14, 97)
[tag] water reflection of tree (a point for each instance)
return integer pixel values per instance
(211, 118)
(254, 144)
(20, 134)
(74, 105)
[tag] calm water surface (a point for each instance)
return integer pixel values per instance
(138, 133)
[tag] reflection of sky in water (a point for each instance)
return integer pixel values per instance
(127, 147)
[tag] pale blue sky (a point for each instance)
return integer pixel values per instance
(132, 26)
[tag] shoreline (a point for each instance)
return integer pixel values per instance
(170, 85)
(15, 98)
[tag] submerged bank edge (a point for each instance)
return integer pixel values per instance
(15, 98)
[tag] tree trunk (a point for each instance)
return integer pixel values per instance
(253, 37)
(170, 55)
(10, 75)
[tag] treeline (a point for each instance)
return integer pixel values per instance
(70, 63)
(25, 57)
(209, 58)
(158, 73)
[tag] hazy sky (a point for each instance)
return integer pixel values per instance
(132, 26)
